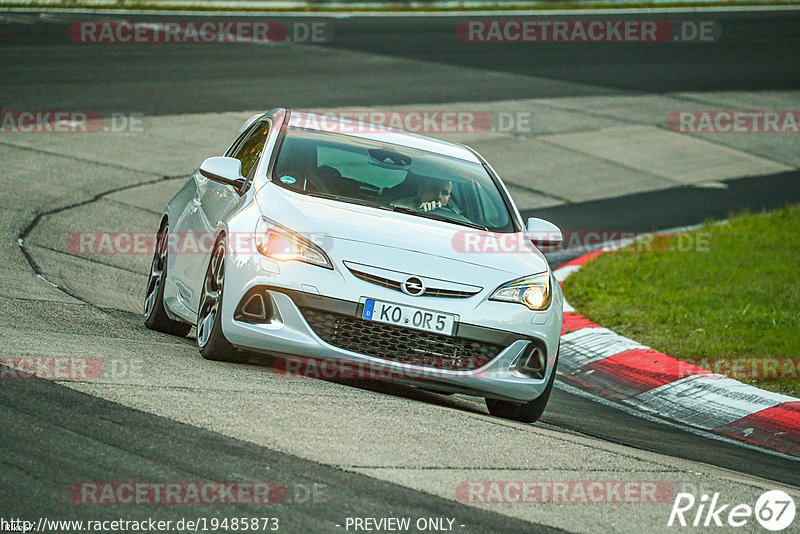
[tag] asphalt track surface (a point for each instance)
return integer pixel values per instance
(93, 439)
(53, 435)
(43, 69)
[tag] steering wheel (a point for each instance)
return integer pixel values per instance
(450, 213)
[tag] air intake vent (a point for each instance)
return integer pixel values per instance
(398, 344)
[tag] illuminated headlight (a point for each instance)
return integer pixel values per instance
(532, 291)
(279, 243)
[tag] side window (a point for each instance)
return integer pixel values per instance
(490, 212)
(235, 145)
(249, 151)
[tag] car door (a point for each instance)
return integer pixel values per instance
(212, 203)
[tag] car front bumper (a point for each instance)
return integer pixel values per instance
(288, 332)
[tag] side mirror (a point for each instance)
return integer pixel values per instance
(543, 232)
(223, 170)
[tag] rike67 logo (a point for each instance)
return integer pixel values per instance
(774, 510)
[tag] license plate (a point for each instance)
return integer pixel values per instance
(409, 316)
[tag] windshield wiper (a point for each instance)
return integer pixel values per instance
(435, 217)
(351, 200)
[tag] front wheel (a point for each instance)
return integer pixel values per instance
(155, 315)
(528, 412)
(210, 339)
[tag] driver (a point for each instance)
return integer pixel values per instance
(432, 194)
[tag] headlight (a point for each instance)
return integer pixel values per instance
(279, 243)
(532, 291)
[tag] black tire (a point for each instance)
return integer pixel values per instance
(210, 339)
(155, 316)
(528, 412)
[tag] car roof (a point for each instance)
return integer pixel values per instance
(335, 123)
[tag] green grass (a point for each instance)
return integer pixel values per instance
(733, 295)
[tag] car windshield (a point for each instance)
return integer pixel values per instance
(361, 171)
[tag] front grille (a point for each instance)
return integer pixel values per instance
(447, 293)
(377, 280)
(429, 291)
(398, 344)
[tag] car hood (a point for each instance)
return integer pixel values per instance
(366, 234)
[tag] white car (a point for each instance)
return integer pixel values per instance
(340, 241)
